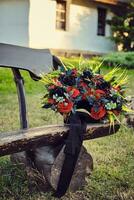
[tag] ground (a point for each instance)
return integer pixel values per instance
(113, 175)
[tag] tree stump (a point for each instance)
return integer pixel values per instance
(84, 167)
(48, 163)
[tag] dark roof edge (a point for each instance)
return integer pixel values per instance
(112, 2)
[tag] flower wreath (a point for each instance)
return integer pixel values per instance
(70, 89)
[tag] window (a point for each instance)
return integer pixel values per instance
(101, 21)
(61, 15)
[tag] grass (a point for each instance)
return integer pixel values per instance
(113, 175)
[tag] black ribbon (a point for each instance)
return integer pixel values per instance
(72, 149)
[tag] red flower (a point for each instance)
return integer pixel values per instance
(99, 114)
(65, 107)
(91, 92)
(99, 93)
(88, 93)
(74, 72)
(83, 96)
(51, 101)
(82, 84)
(73, 91)
(69, 88)
(117, 88)
(51, 87)
(98, 76)
(57, 82)
(97, 79)
(76, 92)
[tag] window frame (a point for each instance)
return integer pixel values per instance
(66, 11)
(101, 23)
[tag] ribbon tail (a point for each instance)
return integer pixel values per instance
(72, 150)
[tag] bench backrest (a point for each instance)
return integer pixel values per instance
(35, 61)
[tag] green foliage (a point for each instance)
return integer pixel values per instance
(75, 61)
(7, 85)
(122, 26)
(82, 63)
(122, 59)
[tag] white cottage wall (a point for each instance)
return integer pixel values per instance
(14, 19)
(32, 23)
(81, 34)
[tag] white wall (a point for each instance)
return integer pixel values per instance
(14, 17)
(32, 23)
(82, 33)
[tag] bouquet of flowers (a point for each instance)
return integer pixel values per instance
(101, 96)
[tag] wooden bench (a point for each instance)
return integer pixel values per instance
(36, 61)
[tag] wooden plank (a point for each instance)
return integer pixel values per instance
(47, 135)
